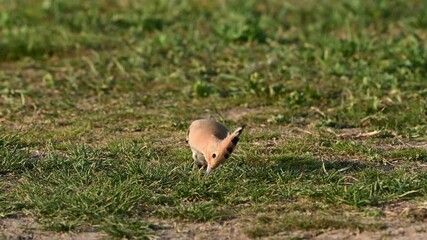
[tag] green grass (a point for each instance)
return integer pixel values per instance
(96, 98)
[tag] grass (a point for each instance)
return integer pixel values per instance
(96, 98)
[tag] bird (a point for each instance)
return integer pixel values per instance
(211, 143)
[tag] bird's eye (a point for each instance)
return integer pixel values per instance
(214, 155)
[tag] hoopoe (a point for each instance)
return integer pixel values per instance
(211, 143)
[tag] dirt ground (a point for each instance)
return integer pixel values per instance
(28, 229)
(235, 229)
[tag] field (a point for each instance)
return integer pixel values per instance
(96, 98)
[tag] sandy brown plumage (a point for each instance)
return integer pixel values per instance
(211, 142)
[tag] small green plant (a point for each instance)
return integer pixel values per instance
(409, 154)
(235, 26)
(128, 228)
(259, 87)
(276, 119)
(202, 89)
(14, 158)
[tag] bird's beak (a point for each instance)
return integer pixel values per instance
(208, 170)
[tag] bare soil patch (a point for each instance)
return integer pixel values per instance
(29, 229)
(399, 226)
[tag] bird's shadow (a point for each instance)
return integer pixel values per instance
(311, 164)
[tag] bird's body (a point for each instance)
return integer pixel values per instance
(211, 142)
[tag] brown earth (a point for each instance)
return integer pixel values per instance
(398, 228)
